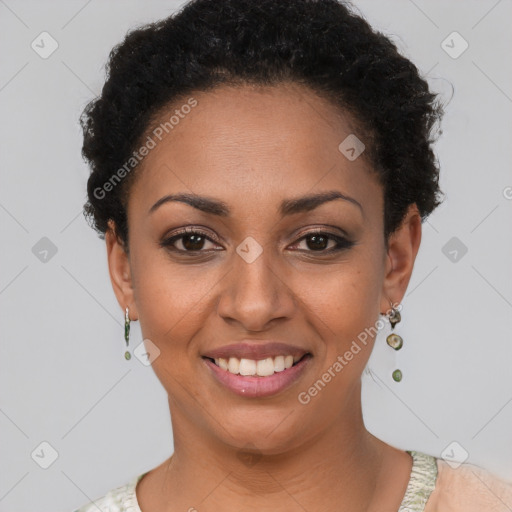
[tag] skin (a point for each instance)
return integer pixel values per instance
(252, 147)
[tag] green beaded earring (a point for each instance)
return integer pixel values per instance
(127, 354)
(394, 340)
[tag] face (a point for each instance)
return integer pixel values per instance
(262, 273)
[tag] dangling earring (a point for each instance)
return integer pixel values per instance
(394, 340)
(127, 354)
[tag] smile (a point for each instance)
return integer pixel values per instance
(252, 367)
(260, 378)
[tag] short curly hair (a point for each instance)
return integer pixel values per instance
(322, 44)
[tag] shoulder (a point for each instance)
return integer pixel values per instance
(468, 488)
(119, 499)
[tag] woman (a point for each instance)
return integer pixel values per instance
(260, 173)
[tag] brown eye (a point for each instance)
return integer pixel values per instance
(188, 241)
(319, 241)
(193, 242)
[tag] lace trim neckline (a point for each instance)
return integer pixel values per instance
(419, 488)
(421, 482)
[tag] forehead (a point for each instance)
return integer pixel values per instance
(252, 144)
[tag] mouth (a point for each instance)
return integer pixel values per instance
(258, 367)
(257, 379)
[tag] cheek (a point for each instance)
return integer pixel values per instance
(169, 305)
(344, 307)
(172, 300)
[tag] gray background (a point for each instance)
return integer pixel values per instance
(63, 377)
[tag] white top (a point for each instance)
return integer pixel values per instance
(434, 486)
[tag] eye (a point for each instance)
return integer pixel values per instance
(191, 240)
(318, 241)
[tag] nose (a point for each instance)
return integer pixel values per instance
(256, 293)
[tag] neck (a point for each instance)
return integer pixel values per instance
(339, 468)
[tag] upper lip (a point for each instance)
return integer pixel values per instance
(256, 350)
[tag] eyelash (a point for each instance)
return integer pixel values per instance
(341, 242)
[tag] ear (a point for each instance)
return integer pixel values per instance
(120, 272)
(403, 247)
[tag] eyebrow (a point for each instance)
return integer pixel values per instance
(287, 207)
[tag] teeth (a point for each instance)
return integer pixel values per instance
(261, 368)
(247, 367)
(265, 367)
(233, 365)
(223, 363)
(279, 364)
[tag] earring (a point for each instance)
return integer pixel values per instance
(127, 354)
(394, 340)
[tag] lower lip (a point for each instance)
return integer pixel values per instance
(253, 386)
